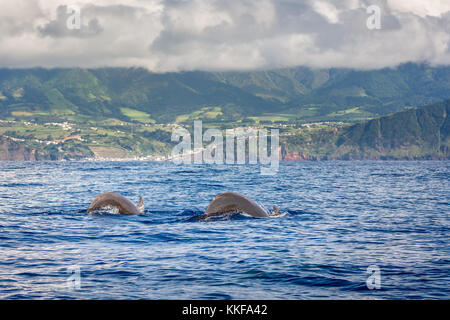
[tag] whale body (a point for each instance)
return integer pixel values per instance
(231, 202)
(111, 199)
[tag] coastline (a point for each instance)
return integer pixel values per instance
(144, 159)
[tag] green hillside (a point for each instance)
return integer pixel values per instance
(344, 94)
(130, 112)
(78, 94)
(415, 133)
(422, 133)
(286, 95)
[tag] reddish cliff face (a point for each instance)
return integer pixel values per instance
(11, 150)
(15, 151)
(287, 155)
(297, 156)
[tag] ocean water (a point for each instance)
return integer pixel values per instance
(342, 217)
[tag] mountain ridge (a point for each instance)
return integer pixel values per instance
(412, 134)
(298, 94)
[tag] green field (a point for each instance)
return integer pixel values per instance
(205, 113)
(137, 115)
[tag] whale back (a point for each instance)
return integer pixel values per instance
(230, 202)
(124, 205)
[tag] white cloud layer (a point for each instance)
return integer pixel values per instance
(176, 35)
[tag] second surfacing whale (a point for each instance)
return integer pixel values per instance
(231, 202)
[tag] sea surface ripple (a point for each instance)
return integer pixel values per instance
(342, 217)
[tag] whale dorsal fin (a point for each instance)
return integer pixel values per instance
(275, 210)
(141, 206)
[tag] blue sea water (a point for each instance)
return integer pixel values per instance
(342, 217)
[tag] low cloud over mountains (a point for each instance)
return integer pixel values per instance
(176, 35)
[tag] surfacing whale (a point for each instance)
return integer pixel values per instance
(111, 199)
(231, 202)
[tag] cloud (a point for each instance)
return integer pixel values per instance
(175, 35)
(64, 25)
(328, 10)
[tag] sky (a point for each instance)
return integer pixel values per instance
(222, 35)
